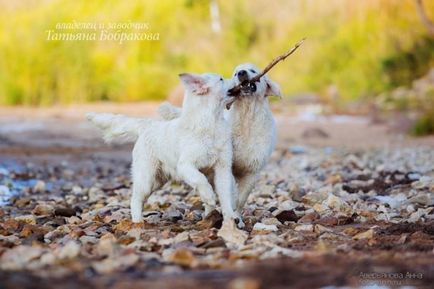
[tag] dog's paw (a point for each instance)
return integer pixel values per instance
(136, 216)
(137, 220)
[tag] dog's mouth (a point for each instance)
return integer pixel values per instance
(248, 88)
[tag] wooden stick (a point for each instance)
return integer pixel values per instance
(237, 89)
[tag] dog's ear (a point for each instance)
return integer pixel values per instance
(272, 88)
(194, 83)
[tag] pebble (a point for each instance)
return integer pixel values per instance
(307, 228)
(4, 172)
(264, 227)
(309, 218)
(4, 191)
(43, 210)
(286, 216)
(29, 219)
(173, 215)
(64, 211)
(39, 187)
(69, 251)
(297, 149)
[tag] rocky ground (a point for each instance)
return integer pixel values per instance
(343, 203)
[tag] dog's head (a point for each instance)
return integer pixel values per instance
(207, 88)
(264, 87)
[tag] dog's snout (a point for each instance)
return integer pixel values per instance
(242, 75)
(242, 72)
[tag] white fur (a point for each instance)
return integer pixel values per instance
(253, 130)
(200, 139)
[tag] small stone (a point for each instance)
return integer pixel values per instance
(94, 194)
(64, 212)
(411, 209)
(4, 172)
(29, 219)
(337, 204)
(414, 176)
(422, 199)
(288, 205)
(126, 240)
(321, 229)
(312, 198)
(328, 221)
(77, 190)
(194, 216)
(4, 191)
(264, 227)
(173, 215)
(109, 265)
(43, 210)
(39, 187)
(314, 132)
(183, 257)
(106, 247)
(423, 182)
(307, 228)
(213, 220)
(287, 216)
(19, 257)
(419, 214)
(297, 149)
(333, 179)
(309, 218)
(320, 208)
(369, 234)
(22, 202)
(69, 251)
(88, 240)
(271, 221)
(219, 242)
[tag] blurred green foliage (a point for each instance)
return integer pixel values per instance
(402, 67)
(424, 125)
(361, 47)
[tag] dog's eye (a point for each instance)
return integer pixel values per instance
(221, 79)
(252, 70)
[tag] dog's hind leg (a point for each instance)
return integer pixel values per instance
(245, 186)
(168, 112)
(144, 169)
(194, 178)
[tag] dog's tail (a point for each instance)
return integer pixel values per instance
(117, 128)
(168, 111)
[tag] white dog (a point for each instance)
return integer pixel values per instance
(199, 140)
(252, 125)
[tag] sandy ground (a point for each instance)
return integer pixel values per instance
(312, 152)
(57, 127)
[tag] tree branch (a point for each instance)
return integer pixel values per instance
(235, 91)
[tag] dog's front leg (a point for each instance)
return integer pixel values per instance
(194, 178)
(224, 184)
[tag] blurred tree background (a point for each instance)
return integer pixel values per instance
(362, 49)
